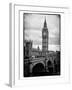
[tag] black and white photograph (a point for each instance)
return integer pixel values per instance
(41, 44)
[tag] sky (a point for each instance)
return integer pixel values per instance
(33, 25)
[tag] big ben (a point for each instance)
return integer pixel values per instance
(45, 38)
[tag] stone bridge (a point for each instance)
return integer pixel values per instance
(44, 64)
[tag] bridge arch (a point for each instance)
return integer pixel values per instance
(38, 69)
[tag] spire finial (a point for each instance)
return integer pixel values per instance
(45, 18)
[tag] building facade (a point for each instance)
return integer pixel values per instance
(45, 36)
(27, 48)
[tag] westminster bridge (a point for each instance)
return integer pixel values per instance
(39, 65)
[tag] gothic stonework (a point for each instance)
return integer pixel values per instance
(45, 38)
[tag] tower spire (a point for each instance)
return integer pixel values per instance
(45, 37)
(45, 24)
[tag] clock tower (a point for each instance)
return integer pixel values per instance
(45, 38)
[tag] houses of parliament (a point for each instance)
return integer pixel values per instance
(38, 62)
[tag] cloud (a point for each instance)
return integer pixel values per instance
(54, 41)
(33, 24)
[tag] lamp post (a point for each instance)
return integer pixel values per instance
(45, 61)
(29, 63)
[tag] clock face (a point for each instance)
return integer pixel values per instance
(44, 33)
